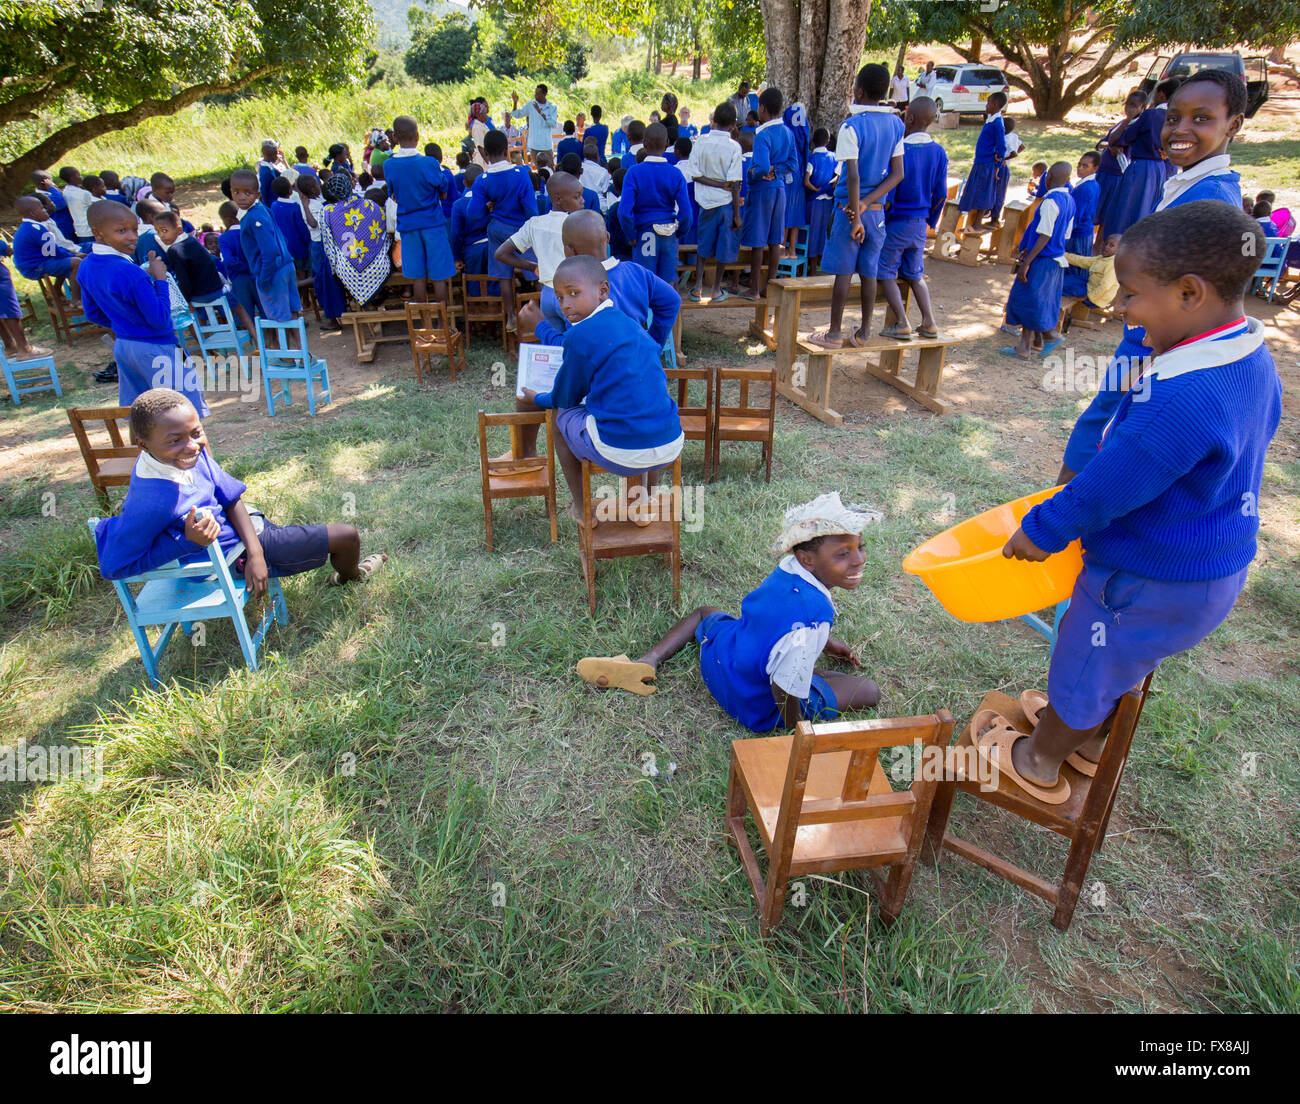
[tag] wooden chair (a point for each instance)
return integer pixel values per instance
(184, 594)
(1082, 819)
(28, 310)
(615, 537)
(522, 336)
(286, 361)
(697, 421)
(745, 421)
(517, 477)
(822, 802)
(67, 322)
(484, 306)
(110, 465)
(30, 376)
(433, 335)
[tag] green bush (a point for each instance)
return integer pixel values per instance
(441, 50)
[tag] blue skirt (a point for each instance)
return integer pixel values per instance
(1036, 303)
(144, 365)
(1001, 182)
(1106, 185)
(981, 190)
(819, 224)
(1137, 195)
(329, 292)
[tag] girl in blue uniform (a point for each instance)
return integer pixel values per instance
(1139, 188)
(1034, 303)
(980, 193)
(759, 666)
(820, 175)
(1113, 160)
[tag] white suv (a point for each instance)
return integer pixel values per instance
(966, 88)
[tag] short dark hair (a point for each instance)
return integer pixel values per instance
(543, 89)
(596, 113)
(1261, 209)
(1091, 156)
(110, 178)
(613, 165)
(636, 131)
(405, 127)
(1233, 87)
(462, 160)
(771, 101)
(495, 142)
(581, 267)
(281, 187)
(243, 177)
(228, 211)
(571, 163)
(67, 172)
(160, 178)
(724, 116)
(872, 80)
(150, 405)
(171, 218)
(1000, 98)
(569, 126)
(1206, 238)
(820, 136)
(682, 148)
(1168, 86)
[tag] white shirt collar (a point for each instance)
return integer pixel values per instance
(791, 564)
(769, 123)
(108, 251)
(821, 149)
(920, 138)
(1177, 184)
(148, 467)
(608, 263)
(635, 149)
(603, 304)
(858, 109)
(995, 115)
(404, 151)
(286, 199)
(182, 236)
(655, 157)
(499, 166)
(1208, 352)
(1063, 190)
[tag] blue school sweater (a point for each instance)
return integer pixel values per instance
(194, 268)
(612, 366)
(263, 246)
(1085, 194)
(746, 159)
(417, 183)
(821, 169)
(565, 146)
(451, 190)
(990, 146)
(773, 149)
(590, 200)
(1173, 492)
(510, 193)
(923, 190)
(1224, 186)
(62, 216)
(465, 231)
(619, 244)
(1055, 247)
(1141, 138)
(734, 660)
(293, 227)
(265, 175)
(33, 246)
(654, 192)
(118, 294)
(118, 197)
(150, 530)
(643, 297)
(599, 133)
(232, 253)
(878, 134)
(147, 243)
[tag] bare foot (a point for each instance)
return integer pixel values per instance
(575, 512)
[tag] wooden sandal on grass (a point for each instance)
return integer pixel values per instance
(367, 567)
(617, 673)
(993, 737)
(1033, 702)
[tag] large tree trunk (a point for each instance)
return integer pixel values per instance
(814, 48)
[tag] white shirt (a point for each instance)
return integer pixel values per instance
(544, 235)
(846, 143)
(541, 121)
(317, 208)
(925, 81)
(596, 177)
(791, 661)
(1177, 184)
(900, 89)
(1047, 213)
(78, 201)
(632, 151)
(53, 228)
(390, 215)
(149, 467)
(1013, 144)
(718, 156)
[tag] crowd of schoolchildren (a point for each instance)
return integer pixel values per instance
(1154, 475)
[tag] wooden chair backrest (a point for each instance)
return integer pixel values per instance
(863, 739)
(746, 376)
(527, 336)
(683, 377)
(484, 305)
(428, 321)
(489, 465)
(92, 453)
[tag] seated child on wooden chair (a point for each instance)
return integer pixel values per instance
(1168, 511)
(759, 666)
(174, 477)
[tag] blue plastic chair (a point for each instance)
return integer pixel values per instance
(798, 264)
(27, 377)
(1271, 267)
(183, 594)
(1049, 631)
(218, 333)
(290, 362)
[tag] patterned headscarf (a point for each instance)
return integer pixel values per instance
(355, 239)
(336, 187)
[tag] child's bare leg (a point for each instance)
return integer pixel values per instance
(868, 300)
(678, 636)
(839, 293)
(345, 551)
(572, 468)
(773, 265)
(527, 433)
(74, 288)
(718, 271)
(894, 297)
(1025, 346)
(440, 291)
(245, 320)
(420, 290)
(11, 332)
(755, 273)
(508, 298)
(699, 272)
(852, 691)
(921, 293)
(1039, 758)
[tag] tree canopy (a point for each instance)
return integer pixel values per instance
(103, 65)
(441, 49)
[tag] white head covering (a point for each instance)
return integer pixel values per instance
(824, 516)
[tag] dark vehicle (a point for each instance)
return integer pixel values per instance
(1254, 71)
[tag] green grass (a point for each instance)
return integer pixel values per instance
(415, 805)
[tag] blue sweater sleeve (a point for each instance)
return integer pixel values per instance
(939, 188)
(627, 205)
(138, 539)
(153, 300)
(762, 162)
(685, 208)
(665, 305)
(574, 378)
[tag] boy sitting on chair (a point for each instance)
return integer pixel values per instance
(759, 666)
(174, 477)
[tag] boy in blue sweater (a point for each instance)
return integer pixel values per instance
(242, 288)
(37, 251)
(760, 666)
(819, 179)
(774, 164)
(469, 237)
(175, 477)
(192, 265)
(611, 395)
(869, 147)
(417, 183)
(916, 203)
(264, 250)
(47, 191)
(1168, 512)
(1034, 303)
(654, 205)
(135, 305)
(287, 212)
(504, 195)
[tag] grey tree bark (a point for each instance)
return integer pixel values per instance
(814, 49)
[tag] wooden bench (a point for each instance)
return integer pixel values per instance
(1013, 230)
(815, 395)
(758, 328)
(1076, 312)
(368, 329)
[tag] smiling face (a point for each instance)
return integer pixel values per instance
(120, 231)
(1162, 309)
(836, 562)
(176, 437)
(578, 296)
(1197, 124)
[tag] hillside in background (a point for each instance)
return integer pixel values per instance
(390, 18)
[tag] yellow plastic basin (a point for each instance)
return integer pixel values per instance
(965, 569)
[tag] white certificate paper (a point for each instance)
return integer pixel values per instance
(538, 367)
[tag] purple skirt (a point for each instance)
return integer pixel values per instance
(1136, 196)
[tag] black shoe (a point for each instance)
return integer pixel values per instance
(107, 375)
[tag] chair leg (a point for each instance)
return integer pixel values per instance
(487, 521)
(937, 825)
(246, 644)
(1076, 869)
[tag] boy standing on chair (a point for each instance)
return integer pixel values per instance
(760, 666)
(870, 148)
(418, 184)
(654, 205)
(504, 196)
(264, 250)
(176, 476)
